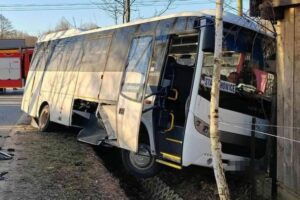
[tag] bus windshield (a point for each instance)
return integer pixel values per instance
(245, 84)
(238, 74)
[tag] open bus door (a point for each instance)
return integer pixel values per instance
(130, 102)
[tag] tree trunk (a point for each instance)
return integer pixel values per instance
(126, 11)
(214, 107)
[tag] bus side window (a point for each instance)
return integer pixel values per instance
(96, 50)
(76, 54)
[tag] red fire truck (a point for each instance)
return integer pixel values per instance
(14, 66)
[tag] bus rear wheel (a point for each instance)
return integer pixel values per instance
(141, 164)
(44, 119)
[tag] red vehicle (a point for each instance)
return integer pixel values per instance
(14, 67)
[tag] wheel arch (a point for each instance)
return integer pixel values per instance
(41, 107)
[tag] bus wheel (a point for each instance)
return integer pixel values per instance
(141, 164)
(44, 119)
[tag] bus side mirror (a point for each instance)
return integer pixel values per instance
(208, 43)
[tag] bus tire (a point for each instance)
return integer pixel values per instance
(44, 119)
(141, 164)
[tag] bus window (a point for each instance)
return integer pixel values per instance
(75, 53)
(55, 52)
(137, 67)
(164, 27)
(95, 53)
(119, 49)
(159, 54)
(180, 25)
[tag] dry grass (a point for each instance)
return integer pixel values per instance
(56, 166)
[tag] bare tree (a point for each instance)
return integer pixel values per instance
(169, 3)
(88, 26)
(29, 39)
(63, 25)
(113, 8)
(6, 28)
(123, 9)
(214, 107)
(117, 9)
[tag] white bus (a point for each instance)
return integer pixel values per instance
(145, 87)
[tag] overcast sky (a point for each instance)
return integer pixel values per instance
(35, 22)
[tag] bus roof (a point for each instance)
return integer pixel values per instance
(227, 17)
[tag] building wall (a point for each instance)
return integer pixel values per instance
(288, 106)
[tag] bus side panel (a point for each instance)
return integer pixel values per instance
(34, 96)
(51, 92)
(63, 99)
(39, 65)
(30, 79)
(111, 85)
(48, 87)
(64, 80)
(88, 85)
(27, 91)
(96, 48)
(116, 62)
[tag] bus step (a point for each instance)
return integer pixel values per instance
(170, 164)
(173, 140)
(170, 145)
(92, 133)
(171, 157)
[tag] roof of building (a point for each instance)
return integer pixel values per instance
(227, 17)
(12, 43)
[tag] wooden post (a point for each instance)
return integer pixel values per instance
(239, 4)
(214, 107)
(126, 17)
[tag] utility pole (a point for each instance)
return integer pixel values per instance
(126, 14)
(214, 107)
(239, 4)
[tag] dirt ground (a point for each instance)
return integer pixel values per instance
(54, 166)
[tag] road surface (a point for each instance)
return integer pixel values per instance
(10, 112)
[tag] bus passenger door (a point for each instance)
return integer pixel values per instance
(130, 102)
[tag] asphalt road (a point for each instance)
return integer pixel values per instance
(10, 111)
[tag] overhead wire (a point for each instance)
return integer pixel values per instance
(94, 5)
(261, 132)
(265, 125)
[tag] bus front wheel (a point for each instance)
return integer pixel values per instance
(141, 164)
(44, 119)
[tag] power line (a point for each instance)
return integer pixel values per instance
(49, 9)
(186, 2)
(260, 132)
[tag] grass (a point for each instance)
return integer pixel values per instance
(58, 167)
